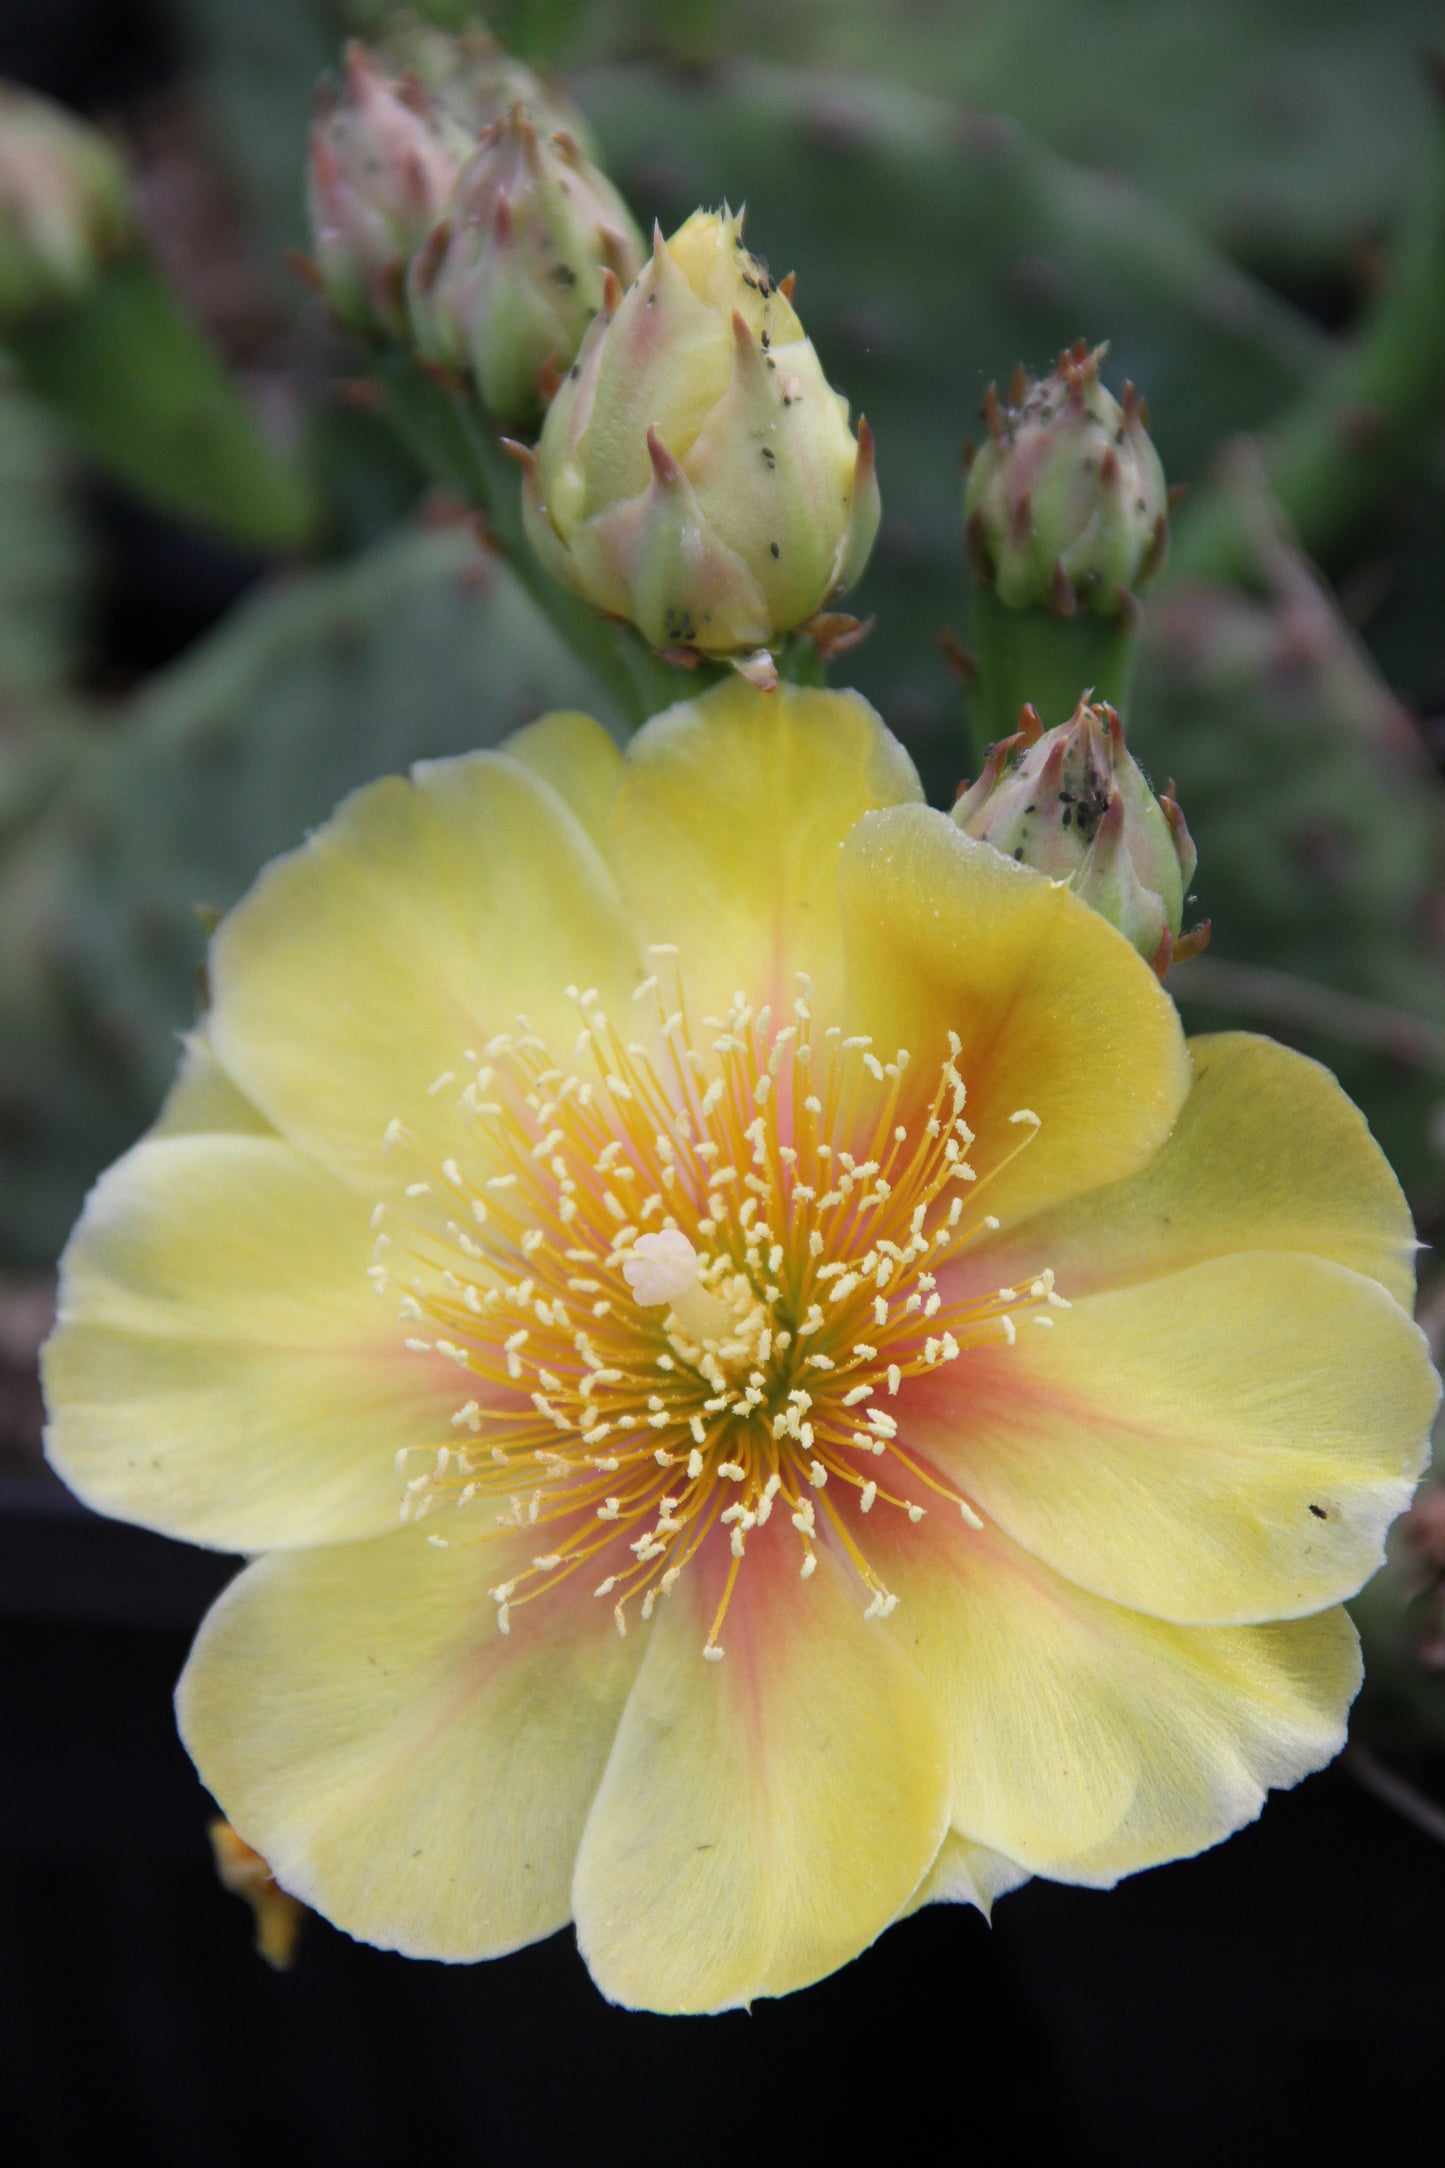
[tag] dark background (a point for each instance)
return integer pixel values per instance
(1277, 2000)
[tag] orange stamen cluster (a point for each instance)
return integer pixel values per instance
(687, 1283)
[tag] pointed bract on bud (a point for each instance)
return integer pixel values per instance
(1074, 803)
(65, 206)
(512, 277)
(1065, 506)
(696, 472)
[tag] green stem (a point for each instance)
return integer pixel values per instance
(1353, 436)
(452, 439)
(799, 662)
(147, 396)
(1050, 662)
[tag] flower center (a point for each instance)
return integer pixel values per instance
(688, 1282)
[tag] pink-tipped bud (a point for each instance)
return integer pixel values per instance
(1065, 506)
(696, 472)
(384, 160)
(1074, 803)
(532, 233)
(64, 206)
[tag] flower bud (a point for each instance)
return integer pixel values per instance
(474, 81)
(696, 474)
(385, 157)
(1074, 803)
(510, 279)
(64, 206)
(1065, 506)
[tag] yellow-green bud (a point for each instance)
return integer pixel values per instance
(64, 206)
(1075, 804)
(508, 282)
(1065, 506)
(696, 473)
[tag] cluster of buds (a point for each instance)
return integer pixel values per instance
(453, 206)
(508, 281)
(1075, 804)
(1065, 505)
(696, 474)
(65, 206)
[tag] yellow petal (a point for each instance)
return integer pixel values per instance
(203, 1099)
(423, 918)
(1089, 1741)
(222, 1369)
(762, 1819)
(966, 1873)
(727, 828)
(406, 1769)
(1226, 1444)
(1056, 1013)
(1268, 1154)
(576, 757)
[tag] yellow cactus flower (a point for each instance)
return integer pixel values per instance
(770, 1384)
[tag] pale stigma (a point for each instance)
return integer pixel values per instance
(663, 1268)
